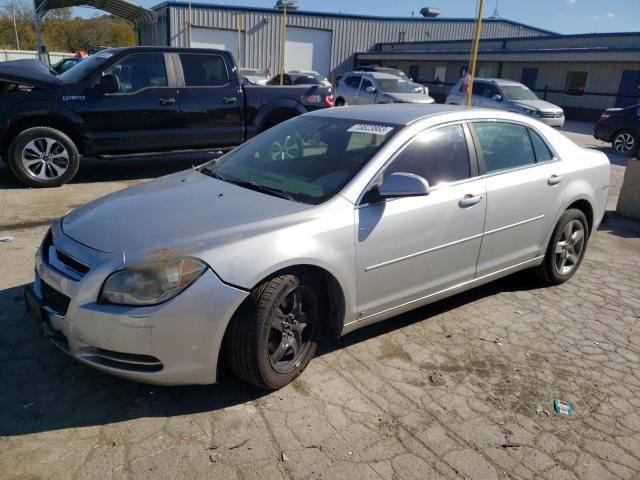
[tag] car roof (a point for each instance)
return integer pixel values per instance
(497, 81)
(377, 75)
(399, 114)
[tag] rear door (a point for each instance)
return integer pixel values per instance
(525, 189)
(143, 114)
(211, 107)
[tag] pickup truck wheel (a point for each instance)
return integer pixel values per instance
(273, 336)
(566, 248)
(43, 157)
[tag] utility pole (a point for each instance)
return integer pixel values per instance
(474, 51)
(15, 26)
(283, 37)
(189, 21)
(36, 18)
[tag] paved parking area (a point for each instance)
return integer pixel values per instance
(461, 388)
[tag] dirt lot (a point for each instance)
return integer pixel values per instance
(462, 388)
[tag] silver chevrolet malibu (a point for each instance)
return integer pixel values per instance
(323, 224)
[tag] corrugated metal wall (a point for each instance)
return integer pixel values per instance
(350, 35)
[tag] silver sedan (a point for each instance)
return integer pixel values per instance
(321, 225)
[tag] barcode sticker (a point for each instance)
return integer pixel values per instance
(370, 128)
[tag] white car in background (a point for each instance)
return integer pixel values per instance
(311, 73)
(364, 88)
(254, 76)
(507, 95)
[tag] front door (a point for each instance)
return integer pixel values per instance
(210, 101)
(629, 90)
(525, 189)
(142, 115)
(364, 97)
(408, 248)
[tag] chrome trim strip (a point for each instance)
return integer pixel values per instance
(454, 287)
(416, 254)
(499, 229)
(450, 244)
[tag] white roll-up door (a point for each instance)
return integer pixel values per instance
(219, 39)
(308, 49)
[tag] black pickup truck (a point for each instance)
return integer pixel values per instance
(131, 100)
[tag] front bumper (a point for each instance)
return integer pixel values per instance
(177, 342)
(557, 122)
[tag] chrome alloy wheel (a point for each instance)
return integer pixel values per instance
(45, 158)
(569, 247)
(285, 149)
(624, 143)
(292, 329)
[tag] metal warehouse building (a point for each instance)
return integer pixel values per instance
(581, 73)
(324, 42)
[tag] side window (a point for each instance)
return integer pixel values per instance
(504, 145)
(490, 91)
(543, 154)
(365, 83)
(203, 70)
(478, 88)
(439, 156)
(138, 71)
(353, 81)
(575, 83)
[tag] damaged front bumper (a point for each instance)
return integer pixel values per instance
(177, 342)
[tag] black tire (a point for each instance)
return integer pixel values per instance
(54, 167)
(253, 342)
(340, 102)
(553, 271)
(625, 142)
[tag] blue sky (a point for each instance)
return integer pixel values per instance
(562, 16)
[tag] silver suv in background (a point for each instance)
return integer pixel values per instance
(507, 95)
(363, 88)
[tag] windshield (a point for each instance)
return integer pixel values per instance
(306, 159)
(87, 66)
(395, 85)
(252, 72)
(518, 92)
(306, 80)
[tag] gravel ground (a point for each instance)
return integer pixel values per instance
(461, 388)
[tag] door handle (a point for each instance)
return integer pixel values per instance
(554, 179)
(229, 99)
(470, 200)
(167, 101)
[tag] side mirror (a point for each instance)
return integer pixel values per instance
(497, 98)
(108, 84)
(402, 184)
(371, 89)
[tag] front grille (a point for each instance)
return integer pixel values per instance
(62, 262)
(132, 362)
(552, 114)
(53, 299)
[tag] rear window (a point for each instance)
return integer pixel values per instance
(204, 70)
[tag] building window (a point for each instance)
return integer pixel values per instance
(576, 83)
(440, 75)
(414, 72)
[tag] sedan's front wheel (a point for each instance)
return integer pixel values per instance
(273, 336)
(625, 142)
(566, 249)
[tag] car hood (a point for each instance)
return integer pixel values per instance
(173, 212)
(29, 72)
(541, 105)
(411, 97)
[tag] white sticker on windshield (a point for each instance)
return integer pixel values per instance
(370, 128)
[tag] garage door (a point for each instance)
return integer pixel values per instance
(217, 38)
(308, 49)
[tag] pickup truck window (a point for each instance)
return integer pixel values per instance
(202, 70)
(139, 71)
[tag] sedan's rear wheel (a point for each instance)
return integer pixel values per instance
(273, 336)
(566, 248)
(625, 142)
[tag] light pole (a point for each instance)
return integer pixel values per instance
(474, 52)
(283, 36)
(15, 26)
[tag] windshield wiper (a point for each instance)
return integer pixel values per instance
(246, 184)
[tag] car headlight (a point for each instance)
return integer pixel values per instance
(151, 283)
(531, 111)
